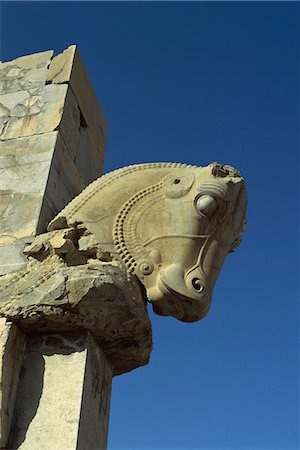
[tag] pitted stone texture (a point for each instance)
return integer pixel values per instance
(96, 296)
(25, 72)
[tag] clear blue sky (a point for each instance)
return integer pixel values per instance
(201, 82)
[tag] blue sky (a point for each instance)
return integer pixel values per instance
(200, 82)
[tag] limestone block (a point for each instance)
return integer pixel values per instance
(70, 124)
(88, 160)
(61, 67)
(12, 347)
(44, 124)
(34, 111)
(37, 179)
(22, 189)
(19, 216)
(26, 72)
(68, 68)
(22, 161)
(95, 405)
(11, 254)
(64, 393)
(64, 180)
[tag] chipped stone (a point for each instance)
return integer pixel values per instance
(26, 72)
(61, 66)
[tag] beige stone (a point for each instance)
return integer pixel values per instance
(34, 111)
(24, 170)
(86, 156)
(68, 68)
(66, 289)
(70, 125)
(26, 72)
(12, 348)
(61, 66)
(171, 224)
(64, 394)
(23, 160)
(48, 146)
(64, 180)
(12, 258)
(19, 215)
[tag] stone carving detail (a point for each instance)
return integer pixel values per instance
(160, 231)
(171, 225)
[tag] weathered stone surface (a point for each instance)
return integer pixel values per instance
(22, 161)
(34, 111)
(95, 407)
(12, 348)
(19, 216)
(26, 72)
(22, 189)
(70, 124)
(45, 144)
(61, 66)
(64, 394)
(12, 257)
(86, 156)
(68, 68)
(64, 180)
(66, 287)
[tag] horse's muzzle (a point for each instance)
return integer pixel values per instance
(185, 296)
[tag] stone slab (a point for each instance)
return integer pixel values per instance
(63, 184)
(95, 407)
(24, 169)
(68, 68)
(70, 124)
(23, 160)
(88, 158)
(46, 140)
(61, 66)
(19, 215)
(25, 72)
(12, 348)
(34, 111)
(12, 258)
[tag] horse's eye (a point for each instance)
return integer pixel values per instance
(206, 204)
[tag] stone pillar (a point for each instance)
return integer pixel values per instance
(61, 342)
(64, 394)
(71, 317)
(52, 140)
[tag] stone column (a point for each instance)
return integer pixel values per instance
(52, 140)
(71, 317)
(61, 342)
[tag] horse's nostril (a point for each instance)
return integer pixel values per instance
(197, 284)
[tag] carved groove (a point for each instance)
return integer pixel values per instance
(124, 225)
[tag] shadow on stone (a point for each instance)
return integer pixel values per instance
(29, 394)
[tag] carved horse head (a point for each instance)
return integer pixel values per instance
(171, 224)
